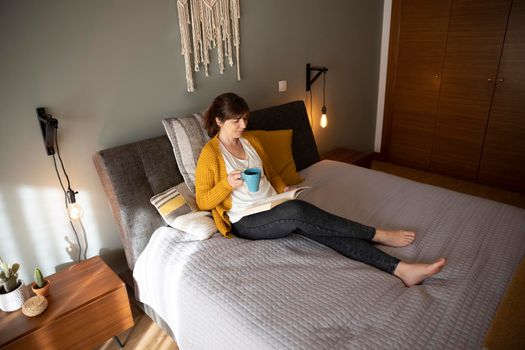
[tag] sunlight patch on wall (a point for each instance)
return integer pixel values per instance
(35, 229)
(9, 250)
(44, 213)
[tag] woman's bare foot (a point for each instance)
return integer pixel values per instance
(412, 274)
(399, 238)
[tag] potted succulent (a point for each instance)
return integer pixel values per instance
(41, 285)
(12, 290)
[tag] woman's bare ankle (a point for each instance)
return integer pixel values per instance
(412, 274)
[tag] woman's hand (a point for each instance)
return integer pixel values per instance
(235, 179)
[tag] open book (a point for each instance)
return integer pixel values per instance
(270, 202)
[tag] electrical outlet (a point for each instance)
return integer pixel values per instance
(283, 86)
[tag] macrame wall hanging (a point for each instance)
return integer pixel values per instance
(207, 24)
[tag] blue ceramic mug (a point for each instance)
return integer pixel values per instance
(252, 177)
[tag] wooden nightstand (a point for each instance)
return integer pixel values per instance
(88, 304)
(350, 156)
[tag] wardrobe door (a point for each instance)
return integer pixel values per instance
(421, 33)
(503, 160)
(475, 39)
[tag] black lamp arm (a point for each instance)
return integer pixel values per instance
(309, 79)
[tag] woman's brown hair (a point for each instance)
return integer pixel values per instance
(224, 107)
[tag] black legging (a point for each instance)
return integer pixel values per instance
(295, 216)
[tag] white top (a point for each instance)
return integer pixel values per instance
(241, 197)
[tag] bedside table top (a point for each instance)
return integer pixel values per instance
(70, 289)
(350, 156)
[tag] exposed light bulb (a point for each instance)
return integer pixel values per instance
(324, 119)
(75, 211)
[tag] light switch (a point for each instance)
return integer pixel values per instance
(283, 86)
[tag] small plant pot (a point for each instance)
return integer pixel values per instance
(13, 300)
(44, 291)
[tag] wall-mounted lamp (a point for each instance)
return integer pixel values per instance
(310, 81)
(49, 127)
(74, 210)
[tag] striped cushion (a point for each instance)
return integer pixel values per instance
(170, 204)
(187, 136)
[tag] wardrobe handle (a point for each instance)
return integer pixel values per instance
(436, 75)
(501, 80)
(489, 80)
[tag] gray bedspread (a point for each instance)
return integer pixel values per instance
(294, 293)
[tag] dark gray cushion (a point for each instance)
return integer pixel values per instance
(289, 116)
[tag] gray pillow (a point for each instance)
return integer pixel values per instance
(187, 136)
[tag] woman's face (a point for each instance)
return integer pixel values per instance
(233, 128)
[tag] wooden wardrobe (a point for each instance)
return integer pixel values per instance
(455, 100)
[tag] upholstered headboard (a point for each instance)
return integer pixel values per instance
(131, 174)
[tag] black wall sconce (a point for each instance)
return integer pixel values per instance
(49, 127)
(310, 80)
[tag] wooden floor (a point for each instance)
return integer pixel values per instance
(147, 335)
(144, 335)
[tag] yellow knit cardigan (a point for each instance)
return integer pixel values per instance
(213, 192)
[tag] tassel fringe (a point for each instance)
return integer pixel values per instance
(205, 25)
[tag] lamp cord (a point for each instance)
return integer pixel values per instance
(85, 238)
(324, 88)
(61, 162)
(58, 175)
(65, 192)
(311, 116)
(78, 240)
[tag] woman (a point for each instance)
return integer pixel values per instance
(220, 188)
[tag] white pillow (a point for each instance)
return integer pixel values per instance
(198, 225)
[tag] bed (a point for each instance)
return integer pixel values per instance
(294, 293)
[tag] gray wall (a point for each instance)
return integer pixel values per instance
(110, 71)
